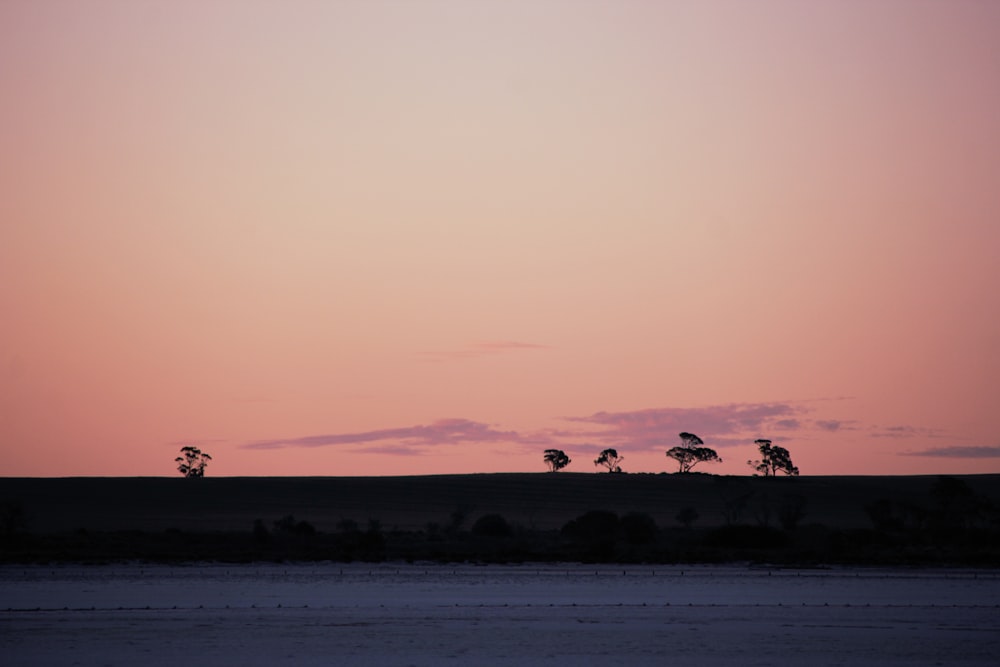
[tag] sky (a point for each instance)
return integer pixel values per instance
(440, 236)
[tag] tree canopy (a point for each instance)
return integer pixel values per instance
(556, 459)
(192, 462)
(609, 459)
(691, 452)
(772, 459)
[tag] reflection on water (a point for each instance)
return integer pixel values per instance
(338, 585)
(561, 615)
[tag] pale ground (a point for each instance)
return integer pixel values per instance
(498, 615)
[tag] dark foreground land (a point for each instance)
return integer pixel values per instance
(518, 517)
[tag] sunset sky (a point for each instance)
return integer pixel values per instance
(385, 238)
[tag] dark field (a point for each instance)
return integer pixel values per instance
(542, 516)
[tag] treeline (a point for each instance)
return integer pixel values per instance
(955, 526)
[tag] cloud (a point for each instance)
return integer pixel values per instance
(718, 425)
(587, 448)
(195, 442)
(484, 349)
(729, 425)
(441, 432)
(904, 432)
(393, 450)
(829, 424)
(958, 452)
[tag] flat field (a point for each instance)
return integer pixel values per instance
(505, 518)
(542, 501)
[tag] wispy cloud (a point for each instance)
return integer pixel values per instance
(195, 442)
(484, 349)
(394, 450)
(905, 432)
(829, 424)
(717, 424)
(958, 452)
(441, 432)
(635, 430)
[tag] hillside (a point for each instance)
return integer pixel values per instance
(533, 500)
(504, 518)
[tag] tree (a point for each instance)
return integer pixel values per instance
(772, 459)
(12, 519)
(289, 526)
(957, 505)
(687, 516)
(594, 526)
(691, 452)
(791, 510)
(638, 528)
(492, 525)
(609, 459)
(556, 459)
(192, 462)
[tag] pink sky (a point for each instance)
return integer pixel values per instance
(352, 238)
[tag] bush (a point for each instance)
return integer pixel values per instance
(491, 525)
(639, 528)
(289, 526)
(746, 537)
(594, 526)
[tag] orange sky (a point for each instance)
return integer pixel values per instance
(346, 238)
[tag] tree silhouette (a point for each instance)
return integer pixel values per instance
(638, 528)
(492, 525)
(957, 505)
(691, 452)
(609, 459)
(687, 516)
(192, 462)
(556, 459)
(772, 459)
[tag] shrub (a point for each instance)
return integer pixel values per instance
(638, 528)
(491, 525)
(746, 537)
(594, 526)
(288, 525)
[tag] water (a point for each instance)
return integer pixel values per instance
(432, 614)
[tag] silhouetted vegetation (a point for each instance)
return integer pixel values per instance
(687, 516)
(287, 525)
(791, 510)
(609, 459)
(772, 459)
(745, 537)
(491, 525)
(13, 520)
(691, 452)
(734, 503)
(633, 519)
(192, 462)
(556, 459)
(639, 528)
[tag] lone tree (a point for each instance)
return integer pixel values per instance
(772, 459)
(691, 452)
(192, 462)
(609, 459)
(556, 459)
